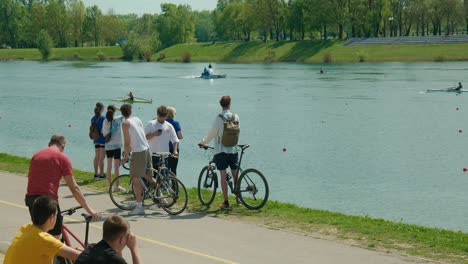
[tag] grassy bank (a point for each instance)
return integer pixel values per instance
(254, 51)
(376, 234)
(307, 51)
(87, 54)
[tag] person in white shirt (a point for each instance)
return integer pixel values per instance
(224, 156)
(140, 164)
(159, 133)
(210, 70)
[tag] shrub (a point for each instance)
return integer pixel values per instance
(162, 56)
(45, 44)
(76, 56)
(101, 56)
(147, 56)
(187, 57)
(327, 58)
(362, 55)
(439, 59)
(270, 56)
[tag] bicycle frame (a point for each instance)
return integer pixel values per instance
(66, 232)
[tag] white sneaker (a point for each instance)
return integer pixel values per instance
(137, 211)
(119, 189)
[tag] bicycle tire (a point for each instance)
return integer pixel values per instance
(207, 185)
(126, 165)
(172, 195)
(253, 189)
(125, 199)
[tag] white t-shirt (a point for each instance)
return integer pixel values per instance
(116, 132)
(138, 141)
(216, 133)
(161, 143)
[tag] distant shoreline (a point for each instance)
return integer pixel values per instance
(256, 51)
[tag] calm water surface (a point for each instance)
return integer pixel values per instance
(361, 139)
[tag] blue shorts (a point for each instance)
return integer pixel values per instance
(223, 160)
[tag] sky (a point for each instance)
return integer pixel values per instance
(140, 7)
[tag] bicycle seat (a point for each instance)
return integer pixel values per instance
(244, 146)
(162, 154)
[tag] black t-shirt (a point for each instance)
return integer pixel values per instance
(100, 253)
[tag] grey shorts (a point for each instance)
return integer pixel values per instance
(141, 164)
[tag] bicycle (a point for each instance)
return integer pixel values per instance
(252, 188)
(66, 233)
(169, 192)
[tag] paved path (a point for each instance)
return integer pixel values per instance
(192, 238)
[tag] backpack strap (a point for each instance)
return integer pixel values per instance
(233, 117)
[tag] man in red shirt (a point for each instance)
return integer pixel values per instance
(46, 169)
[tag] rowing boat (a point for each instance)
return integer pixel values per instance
(135, 100)
(213, 76)
(446, 90)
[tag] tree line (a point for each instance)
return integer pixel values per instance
(69, 23)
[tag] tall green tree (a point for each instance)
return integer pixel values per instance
(175, 25)
(58, 22)
(77, 18)
(339, 10)
(10, 16)
(205, 29)
(91, 25)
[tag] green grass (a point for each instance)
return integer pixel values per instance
(255, 51)
(375, 234)
(307, 51)
(88, 54)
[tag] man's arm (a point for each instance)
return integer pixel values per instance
(79, 197)
(126, 135)
(68, 253)
(131, 244)
(213, 131)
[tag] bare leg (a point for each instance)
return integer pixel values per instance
(116, 170)
(102, 155)
(138, 189)
(109, 170)
(234, 178)
(96, 161)
(224, 184)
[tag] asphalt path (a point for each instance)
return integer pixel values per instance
(190, 237)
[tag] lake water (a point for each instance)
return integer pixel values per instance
(361, 139)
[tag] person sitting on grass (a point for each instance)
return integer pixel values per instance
(32, 243)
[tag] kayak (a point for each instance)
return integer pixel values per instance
(446, 90)
(136, 100)
(213, 76)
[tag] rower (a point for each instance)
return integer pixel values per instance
(321, 70)
(130, 96)
(459, 87)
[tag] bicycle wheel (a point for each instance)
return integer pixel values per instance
(253, 189)
(207, 185)
(172, 195)
(122, 197)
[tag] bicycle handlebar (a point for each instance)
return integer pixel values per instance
(205, 147)
(87, 217)
(70, 211)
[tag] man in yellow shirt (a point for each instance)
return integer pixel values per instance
(32, 243)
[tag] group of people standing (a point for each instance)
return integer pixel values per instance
(50, 165)
(161, 134)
